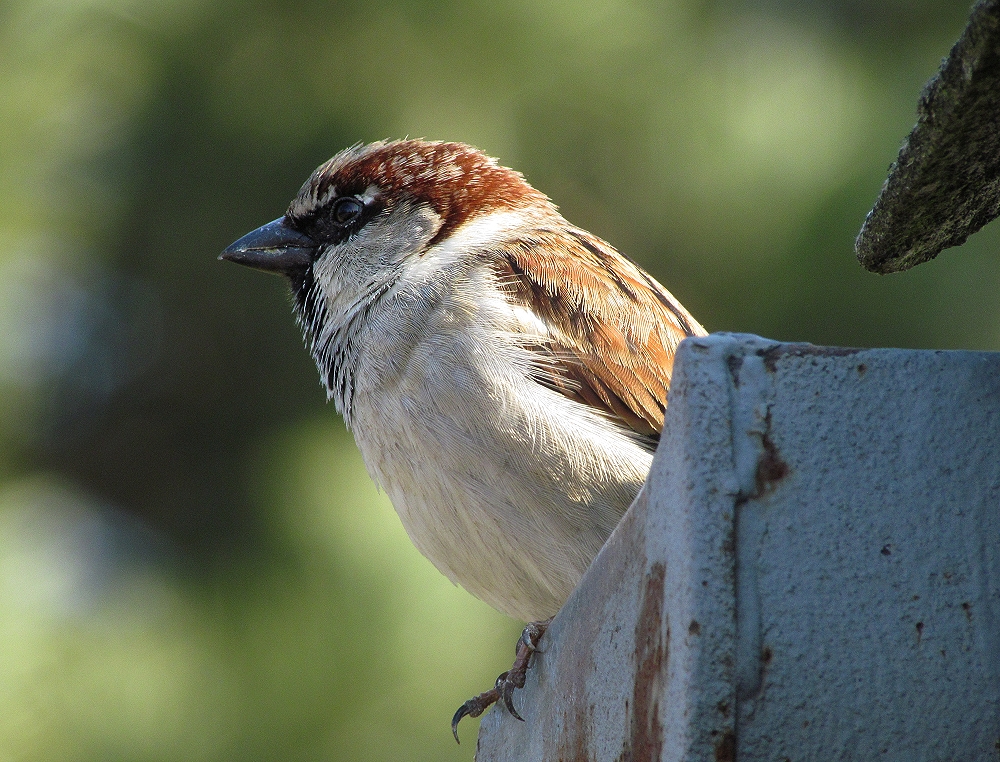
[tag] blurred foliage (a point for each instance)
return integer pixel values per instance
(193, 562)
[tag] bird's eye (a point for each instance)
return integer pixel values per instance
(346, 210)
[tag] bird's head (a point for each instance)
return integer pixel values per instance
(372, 213)
(372, 206)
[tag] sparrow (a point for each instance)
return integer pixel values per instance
(504, 373)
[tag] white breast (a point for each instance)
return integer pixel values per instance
(508, 487)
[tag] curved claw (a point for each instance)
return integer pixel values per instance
(474, 707)
(508, 682)
(506, 688)
(463, 711)
(531, 634)
(525, 642)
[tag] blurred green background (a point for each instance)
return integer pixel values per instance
(194, 564)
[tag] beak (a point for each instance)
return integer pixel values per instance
(274, 247)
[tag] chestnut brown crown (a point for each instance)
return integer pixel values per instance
(458, 181)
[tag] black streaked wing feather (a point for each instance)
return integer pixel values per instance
(613, 328)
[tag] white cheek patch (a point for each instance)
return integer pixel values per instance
(483, 232)
(348, 273)
(478, 234)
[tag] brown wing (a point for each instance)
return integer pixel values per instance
(613, 328)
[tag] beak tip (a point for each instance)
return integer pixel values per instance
(273, 248)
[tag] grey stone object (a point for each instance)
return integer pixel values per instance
(945, 184)
(812, 572)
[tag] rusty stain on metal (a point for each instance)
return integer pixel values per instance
(772, 355)
(729, 541)
(572, 742)
(771, 469)
(578, 749)
(725, 747)
(577, 718)
(570, 737)
(734, 363)
(644, 742)
(574, 739)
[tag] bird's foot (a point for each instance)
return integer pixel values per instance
(503, 690)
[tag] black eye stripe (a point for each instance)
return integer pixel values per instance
(337, 220)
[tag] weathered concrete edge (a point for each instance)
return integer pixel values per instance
(690, 525)
(677, 581)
